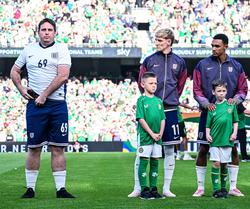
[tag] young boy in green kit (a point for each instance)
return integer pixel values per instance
(151, 122)
(221, 131)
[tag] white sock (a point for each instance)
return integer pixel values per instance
(201, 173)
(233, 175)
(185, 152)
(31, 177)
(137, 186)
(60, 178)
(169, 164)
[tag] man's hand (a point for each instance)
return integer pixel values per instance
(230, 101)
(211, 107)
(40, 100)
(25, 94)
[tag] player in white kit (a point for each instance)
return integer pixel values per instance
(48, 66)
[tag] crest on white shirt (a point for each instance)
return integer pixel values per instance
(54, 55)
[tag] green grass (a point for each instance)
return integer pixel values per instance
(103, 180)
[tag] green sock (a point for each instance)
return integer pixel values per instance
(215, 172)
(153, 173)
(142, 172)
(223, 176)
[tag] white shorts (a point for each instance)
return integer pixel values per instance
(152, 150)
(221, 154)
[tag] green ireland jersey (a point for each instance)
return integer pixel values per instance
(242, 121)
(151, 110)
(220, 121)
(179, 115)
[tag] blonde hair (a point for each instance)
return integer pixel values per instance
(165, 33)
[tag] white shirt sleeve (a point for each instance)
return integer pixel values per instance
(64, 55)
(21, 60)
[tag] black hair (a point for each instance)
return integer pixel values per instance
(48, 20)
(217, 83)
(222, 37)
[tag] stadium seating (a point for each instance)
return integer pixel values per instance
(99, 110)
(113, 22)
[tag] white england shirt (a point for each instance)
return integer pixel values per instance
(42, 64)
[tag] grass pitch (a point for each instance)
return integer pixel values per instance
(103, 180)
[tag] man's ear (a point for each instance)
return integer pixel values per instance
(169, 42)
(213, 92)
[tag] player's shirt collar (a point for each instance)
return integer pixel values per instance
(44, 47)
(220, 102)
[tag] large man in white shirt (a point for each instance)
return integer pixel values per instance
(48, 66)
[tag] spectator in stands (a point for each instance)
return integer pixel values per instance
(113, 21)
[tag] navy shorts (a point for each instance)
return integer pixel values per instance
(47, 124)
(202, 128)
(171, 133)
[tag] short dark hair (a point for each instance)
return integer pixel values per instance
(148, 75)
(222, 37)
(217, 83)
(48, 20)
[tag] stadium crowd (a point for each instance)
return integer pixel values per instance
(112, 22)
(99, 110)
